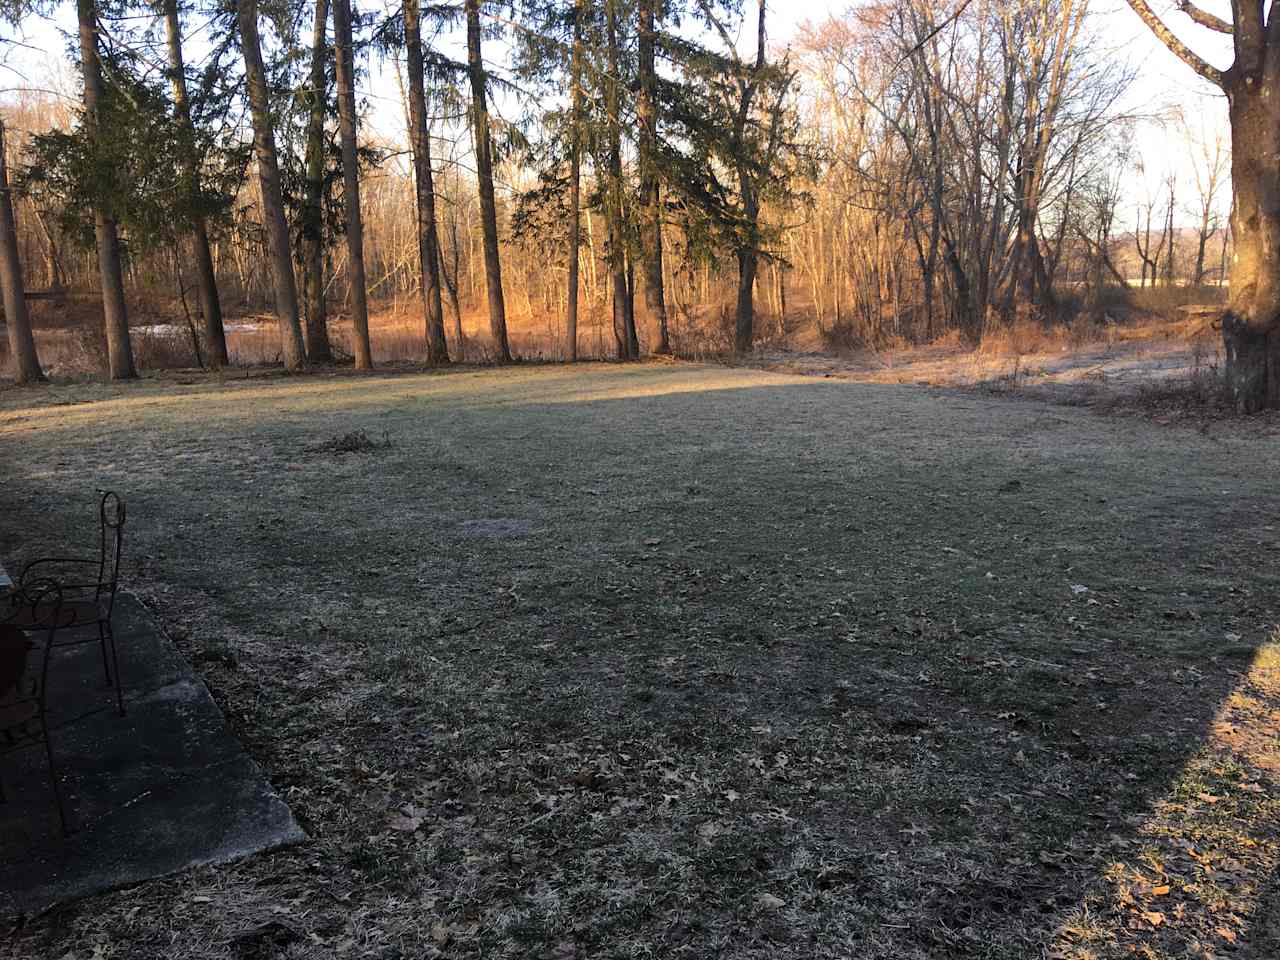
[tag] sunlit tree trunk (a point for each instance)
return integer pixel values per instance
(623, 307)
(1251, 326)
(484, 174)
(22, 344)
(319, 349)
(575, 190)
(215, 341)
(346, 69)
(115, 314)
(424, 188)
(748, 252)
(277, 228)
(650, 185)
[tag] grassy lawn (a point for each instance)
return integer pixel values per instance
(666, 660)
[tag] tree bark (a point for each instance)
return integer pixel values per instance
(215, 340)
(484, 174)
(1251, 325)
(424, 188)
(650, 186)
(346, 68)
(623, 305)
(319, 349)
(115, 314)
(745, 312)
(277, 228)
(575, 189)
(22, 344)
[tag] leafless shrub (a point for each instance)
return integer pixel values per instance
(163, 348)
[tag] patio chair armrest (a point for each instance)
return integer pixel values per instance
(50, 561)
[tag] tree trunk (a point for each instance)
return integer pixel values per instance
(1202, 240)
(1251, 325)
(215, 340)
(575, 191)
(744, 314)
(484, 174)
(22, 344)
(277, 228)
(115, 314)
(319, 349)
(424, 188)
(623, 306)
(346, 69)
(650, 186)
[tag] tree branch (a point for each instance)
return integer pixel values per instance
(1176, 46)
(1204, 18)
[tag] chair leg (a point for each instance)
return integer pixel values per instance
(102, 642)
(115, 667)
(53, 778)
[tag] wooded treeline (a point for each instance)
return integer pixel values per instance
(901, 172)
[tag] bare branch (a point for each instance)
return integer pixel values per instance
(1176, 46)
(1204, 18)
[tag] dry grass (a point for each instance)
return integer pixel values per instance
(675, 661)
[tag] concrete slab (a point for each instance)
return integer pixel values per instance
(161, 790)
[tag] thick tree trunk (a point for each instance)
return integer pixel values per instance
(115, 314)
(22, 344)
(575, 191)
(484, 174)
(277, 228)
(424, 188)
(650, 186)
(346, 69)
(1251, 326)
(623, 304)
(215, 340)
(319, 350)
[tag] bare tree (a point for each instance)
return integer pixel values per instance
(1210, 165)
(1251, 323)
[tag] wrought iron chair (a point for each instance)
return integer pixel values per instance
(24, 674)
(85, 601)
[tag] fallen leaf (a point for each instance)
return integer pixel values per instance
(1153, 917)
(1160, 891)
(769, 902)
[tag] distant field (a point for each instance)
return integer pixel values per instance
(669, 660)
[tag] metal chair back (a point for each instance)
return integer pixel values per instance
(111, 518)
